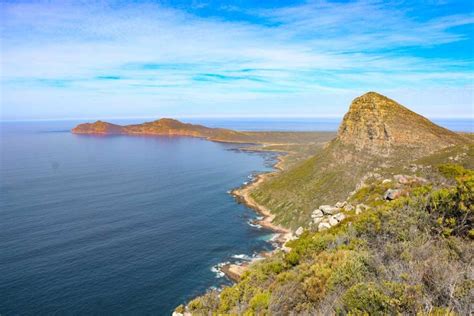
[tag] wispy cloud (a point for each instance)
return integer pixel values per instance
(314, 56)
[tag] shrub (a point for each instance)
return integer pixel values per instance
(196, 304)
(229, 298)
(452, 171)
(452, 209)
(180, 309)
(368, 298)
(259, 302)
(292, 258)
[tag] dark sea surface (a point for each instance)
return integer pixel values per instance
(117, 224)
(124, 224)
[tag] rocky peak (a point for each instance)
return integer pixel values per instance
(379, 125)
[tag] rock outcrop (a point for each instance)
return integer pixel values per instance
(381, 126)
(327, 216)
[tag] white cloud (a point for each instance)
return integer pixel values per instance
(308, 56)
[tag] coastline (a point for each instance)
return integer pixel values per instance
(234, 271)
(243, 195)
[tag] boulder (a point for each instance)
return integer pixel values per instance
(317, 213)
(340, 204)
(299, 231)
(386, 181)
(339, 216)
(333, 221)
(328, 209)
(349, 207)
(317, 220)
(392, 194)
(323, 226)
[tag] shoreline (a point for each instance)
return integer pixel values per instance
(234, 271)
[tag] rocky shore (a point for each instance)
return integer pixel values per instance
(243, 195)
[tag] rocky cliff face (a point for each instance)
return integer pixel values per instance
(380, 125)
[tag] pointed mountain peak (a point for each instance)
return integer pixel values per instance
(379, 125)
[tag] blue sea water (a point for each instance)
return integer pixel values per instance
(117, 224)
(123, 224)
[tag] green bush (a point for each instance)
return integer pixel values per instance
(292, 258)
(452, 171)
(366, 298)
(259, 302)
(452, 209)
(229, 298)
(180, 309)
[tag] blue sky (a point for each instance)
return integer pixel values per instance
(104, 59)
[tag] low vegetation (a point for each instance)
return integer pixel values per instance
(412, 255)
(403, 243)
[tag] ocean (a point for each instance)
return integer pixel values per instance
(124, 224)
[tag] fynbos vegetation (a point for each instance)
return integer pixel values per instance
(400, 243)
(411, 255)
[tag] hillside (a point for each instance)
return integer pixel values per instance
(411, 256)
(399, 240)
(376, 134)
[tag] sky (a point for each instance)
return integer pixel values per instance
(119, 59)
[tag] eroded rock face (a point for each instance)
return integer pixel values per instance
(380, 125)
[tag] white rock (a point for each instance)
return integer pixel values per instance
(333, 221)
(317, 220)
(323, 226)
(339, 216)
(299, 231)
(177, 314)
(340, 204)
(317, 213)
(349, 207)
(386, 181)
(328, 209)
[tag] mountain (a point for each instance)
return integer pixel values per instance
(380, 125)
(383, 224)
(376, 133)
(164, 126)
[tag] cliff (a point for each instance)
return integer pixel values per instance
(380, 125)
